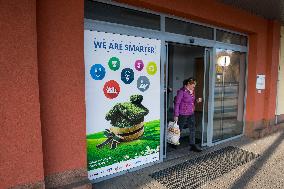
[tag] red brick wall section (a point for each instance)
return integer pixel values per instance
(215, 13)
(273, 46)
(62, 84)
(20, 128)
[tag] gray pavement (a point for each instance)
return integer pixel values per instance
(267, 171)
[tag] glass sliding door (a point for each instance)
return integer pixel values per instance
(229, 94)
(207, 55)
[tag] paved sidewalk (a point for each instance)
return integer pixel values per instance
(267, 171)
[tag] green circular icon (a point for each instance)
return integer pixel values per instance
(151, 68)
(114, 63)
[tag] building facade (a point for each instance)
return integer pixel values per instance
(43, 108)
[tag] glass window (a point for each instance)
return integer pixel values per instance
(114, 14)
(232, 38)
(229, 94)
(187, 28)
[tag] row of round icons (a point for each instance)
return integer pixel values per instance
(111, 88)
(98, 71)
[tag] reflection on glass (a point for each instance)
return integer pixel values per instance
(227, 37)
(206, 95)
(120, 15)
(187, 28)
(229, 94)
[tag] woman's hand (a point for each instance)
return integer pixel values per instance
(176, 119)
(199, 100)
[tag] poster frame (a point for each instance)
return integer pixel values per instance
(93, 26)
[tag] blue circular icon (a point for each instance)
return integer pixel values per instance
(127, 75)
(143, 83)
(98, 72)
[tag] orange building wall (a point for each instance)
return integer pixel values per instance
(273, 49)
(62, 84)
(20, 127)
(260, 42)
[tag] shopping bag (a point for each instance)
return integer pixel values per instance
(173, 134)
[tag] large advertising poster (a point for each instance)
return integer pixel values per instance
(122, 102)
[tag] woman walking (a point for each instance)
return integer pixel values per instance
(184, 110)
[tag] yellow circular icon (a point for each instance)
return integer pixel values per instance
(151, 68)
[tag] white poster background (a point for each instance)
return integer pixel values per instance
(97, 105)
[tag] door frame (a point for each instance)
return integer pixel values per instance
(206, 51)
(213, 76)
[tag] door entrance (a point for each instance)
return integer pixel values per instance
(229, 94)
(185, 61)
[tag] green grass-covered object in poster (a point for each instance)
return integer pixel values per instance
(148, 143)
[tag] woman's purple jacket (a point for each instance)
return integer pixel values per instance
(184, 102)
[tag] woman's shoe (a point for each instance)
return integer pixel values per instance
(195, 148)
(174, 146)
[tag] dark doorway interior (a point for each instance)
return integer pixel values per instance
(185, 61)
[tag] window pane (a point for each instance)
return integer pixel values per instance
(232, 38)
(229, 94)
(187, 28)
(114, 14)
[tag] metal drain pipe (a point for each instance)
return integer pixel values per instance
(277, 93)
